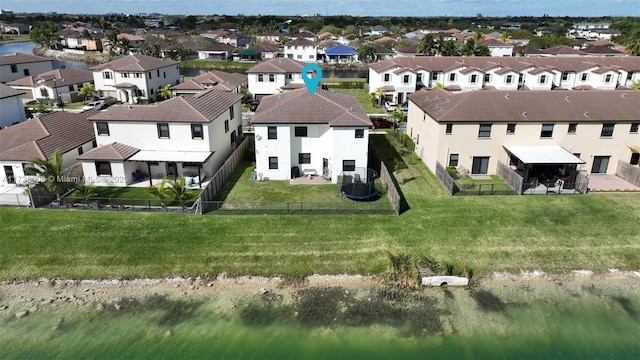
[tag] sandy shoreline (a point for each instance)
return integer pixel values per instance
(24, 298)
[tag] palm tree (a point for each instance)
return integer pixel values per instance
(87, 90)
(161, 192)
(86, 192)
(427, 44)
(165, 92)
(366, 53)
(51, 173)
(372, 98)
(178, 190)
(633, 43)
(379, 93)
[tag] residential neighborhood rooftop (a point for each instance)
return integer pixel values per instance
(278, 65)
(20, 58)
(63, 76)
(136, 63)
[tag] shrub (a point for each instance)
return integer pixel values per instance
(453, 172)
(408, 142)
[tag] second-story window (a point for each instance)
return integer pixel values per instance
(547, 131)
(196, 131)
(300, 131)
(386, 77)
(226, 126)
(405, 79)
(607, 130)
(607, 78)
(511, 128)
(272, 77)
(232, 115)
(163, 130)
(272, 133)
(543, 79)
(484, 131)
(473, 78)
(359, 133)
(449, 129)
(102, 128)
(634, 128)
(260, 78)
(508, 79)
(452, 77)
(584, 77)
(573, 127)
(106, 74)
(565, 76)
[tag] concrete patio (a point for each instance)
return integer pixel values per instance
(609, 183)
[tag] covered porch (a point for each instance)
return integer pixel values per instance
(547, 169)
(172, 164)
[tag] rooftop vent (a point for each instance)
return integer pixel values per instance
(567, 98)
(524, 113)
(586, 113)
(506, 96)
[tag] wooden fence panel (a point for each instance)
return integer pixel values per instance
(628, 172)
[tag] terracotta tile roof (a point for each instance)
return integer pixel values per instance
(7, 91)
(324, 107)
(188, 85)
(278, 65)
(382, 50)
(130, 37)
(516, 106)
(40, 137)
(563, 50)
(64, 77)
(412, 49)
(602, 50)
(20, 58)
(200, 108)
(113, 151)
(494, 43)
(264, 47)
(136, 63)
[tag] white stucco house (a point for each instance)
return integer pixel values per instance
(63, 84)
(11, 108)
(498, 48)
(301, 49)
(18, 65)
(135, 77)
(269, 77)
(326, 134)
(185, 135)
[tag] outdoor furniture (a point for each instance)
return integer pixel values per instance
(310, 172)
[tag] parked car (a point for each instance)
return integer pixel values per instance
(390, 106)
(97, 105)
(254, 105)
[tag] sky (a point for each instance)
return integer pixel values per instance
(591, 8)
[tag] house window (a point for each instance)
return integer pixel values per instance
(150, 91)
(480, 165)
(547, 131)
(231, 112)
(299, 57)
(311, 57)
(453, 159)
(434, 75)
(300, 131)
(125, 75)
(164, 73)
(600, 164)
(196, 131)
(607, 130)
(289, 76)
(158, 73)
(304, 158)
(449, 129)
(94, 144)
(348, 165)
(103, 168)
(44, 92)
(71, 88)
(487, 78)
(508, 79)
(543, 79)
(419, 78)
(386, 77)
(80, 150)
(260, 77)
(484, 131)
(149, 73)
(635, 159)
(103, 128)
(573, 127)
(584, 77)
(272, 77)
(272, 133)
(607, 78)
(565, 76)
(452, 77)
(418, 139)
(163, 130)
(405, 79)
(226, 126)
(233, 137)
(473, 78)
(138, 75)
(634, 128)
(511, 128)
(359, 133)
(520, 78)
(106, 74)
(273, 162)
(25, 72)
(14, 68)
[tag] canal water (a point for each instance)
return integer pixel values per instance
(27, 47)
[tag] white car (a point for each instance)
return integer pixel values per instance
(93, 105)
(445, 281)
(390, 106)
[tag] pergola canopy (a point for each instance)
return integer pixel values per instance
(543, 155)
(171, 156)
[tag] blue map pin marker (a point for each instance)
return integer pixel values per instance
(311, 83)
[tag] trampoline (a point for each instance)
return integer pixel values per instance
(359, 184)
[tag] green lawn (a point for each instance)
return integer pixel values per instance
(363, 99)
(10, 38)
(138, 196)
(485, 233)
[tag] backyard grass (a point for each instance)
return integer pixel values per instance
(10, 38)
(363, 99)
(484, 233)
(128, 196)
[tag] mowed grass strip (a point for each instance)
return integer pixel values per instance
(486, 233)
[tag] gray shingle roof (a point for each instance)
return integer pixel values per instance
(299, 107)
(533, 106)
(278, 65)
(64, 77)
(7, 91)
(114, 151)
(20, 58)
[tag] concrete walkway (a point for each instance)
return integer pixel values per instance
(604, 182)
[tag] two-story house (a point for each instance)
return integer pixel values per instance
(548, 131)
(18, 65)
(38, 138)
(135, 77)
(269, 77)
(214, 79)
(62, 84)
(326, 134)
(301, 49)
(11, 107)
(185, 135)
(502, 73)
